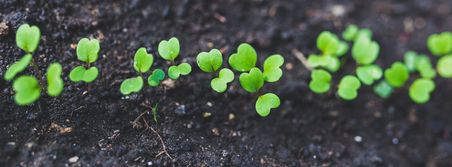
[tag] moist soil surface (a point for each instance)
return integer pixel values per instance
(94, 125)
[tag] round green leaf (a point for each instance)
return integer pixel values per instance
(383, 89)
(410, 58)
(272, 68)
(27, 90)
(169, 49)
(265, 103)
(174, 72)
(54, 81)
(440, 44)
(420, 90)
(348, 87)
(142, 61)
(131, 85)
(444, 66)
(210, 61)
(220, 84)
(87, 50)
(27, 37)
(368, 74)
(397, 75)
(328, 43)
(425, 67)
(331, 63)
(156, 76)
(365, 51)
(320, 81)
(342, 49)
(252, 81)
(79, 73)
(18, 67)
(245, 58)
(350, 32)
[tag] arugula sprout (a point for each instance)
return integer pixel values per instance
(365, 51)
(410, 58)
(131, 85)
(55, 83)
(210, 61)
(220, 84)
(420, 90)
(252, 81)
(332, 48)
(369, 74)
(87, 51)
(27, 90)
(397, 75)
(272, 68)
(320, 81)
(424, 67)
(27, 37)
(142, 61)
(348, 87)
(156, 77)
(267, 102)
(383, 89)
(328, 43)
(328, 62)
(440, 44)
(444, 66)
(245, 59)
(174, 72)
(353, 32)
(18, 67)
(169, 49)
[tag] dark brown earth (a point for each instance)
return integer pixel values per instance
(95, 127)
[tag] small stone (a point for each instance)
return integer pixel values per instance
(180, 110)
(358, 139)
(206, 114)
(216, 132)
(73, 159)
(3, 28)
(231, 116)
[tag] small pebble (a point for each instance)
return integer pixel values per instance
(180, 110)
(73, 159)
(358, 139)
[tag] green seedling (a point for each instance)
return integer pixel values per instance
(27, 37)
(365, 51)
(210, 61)
(87, 51)
(328, 62)
(174, 72)
(18, 67)
(272, 68)
(424, 67)
(440, 44)
(444, 66)
(55, 83)
(410, 58)
(348, 87)
(397, 75)
(330, 44)
(383, 89)
(245, 59)
(252, 81)
(369, 74)
(156, 77)
(131, 85)
(421, 89)
(169, 49)
(142, 61)
(27, 90)
(220, 84)
(267, 102)
(352, 33)
(320, 81)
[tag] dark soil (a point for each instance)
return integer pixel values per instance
(93, 125)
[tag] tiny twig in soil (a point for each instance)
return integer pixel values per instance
(300, 56)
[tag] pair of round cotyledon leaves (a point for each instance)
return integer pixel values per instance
(347, 89)
(332, 48)
(87, 51)
(252, 78)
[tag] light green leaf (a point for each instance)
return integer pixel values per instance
(87, 50)
(27, 90)
(54, 81)
(220, 84)
(383, 89)
(79, 73)
(328, 43)
(156, 76)
(440, 44)
(444, 66)
(350, 32)
(425, 67)
(272, 68)
(27, 37)
(320, 81)
(131, 85)
(348, 87)
(397, 75)
(245, 58)
(142, 61)
(18, 67)
(210, 61)
(252, 81)
(410, 58)
(368, 74)
(265, 103)
(174, 72)
(365, 51)
(420, 90)
(342, 49)
(169, 49)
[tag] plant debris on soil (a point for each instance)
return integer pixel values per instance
(92, 124)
